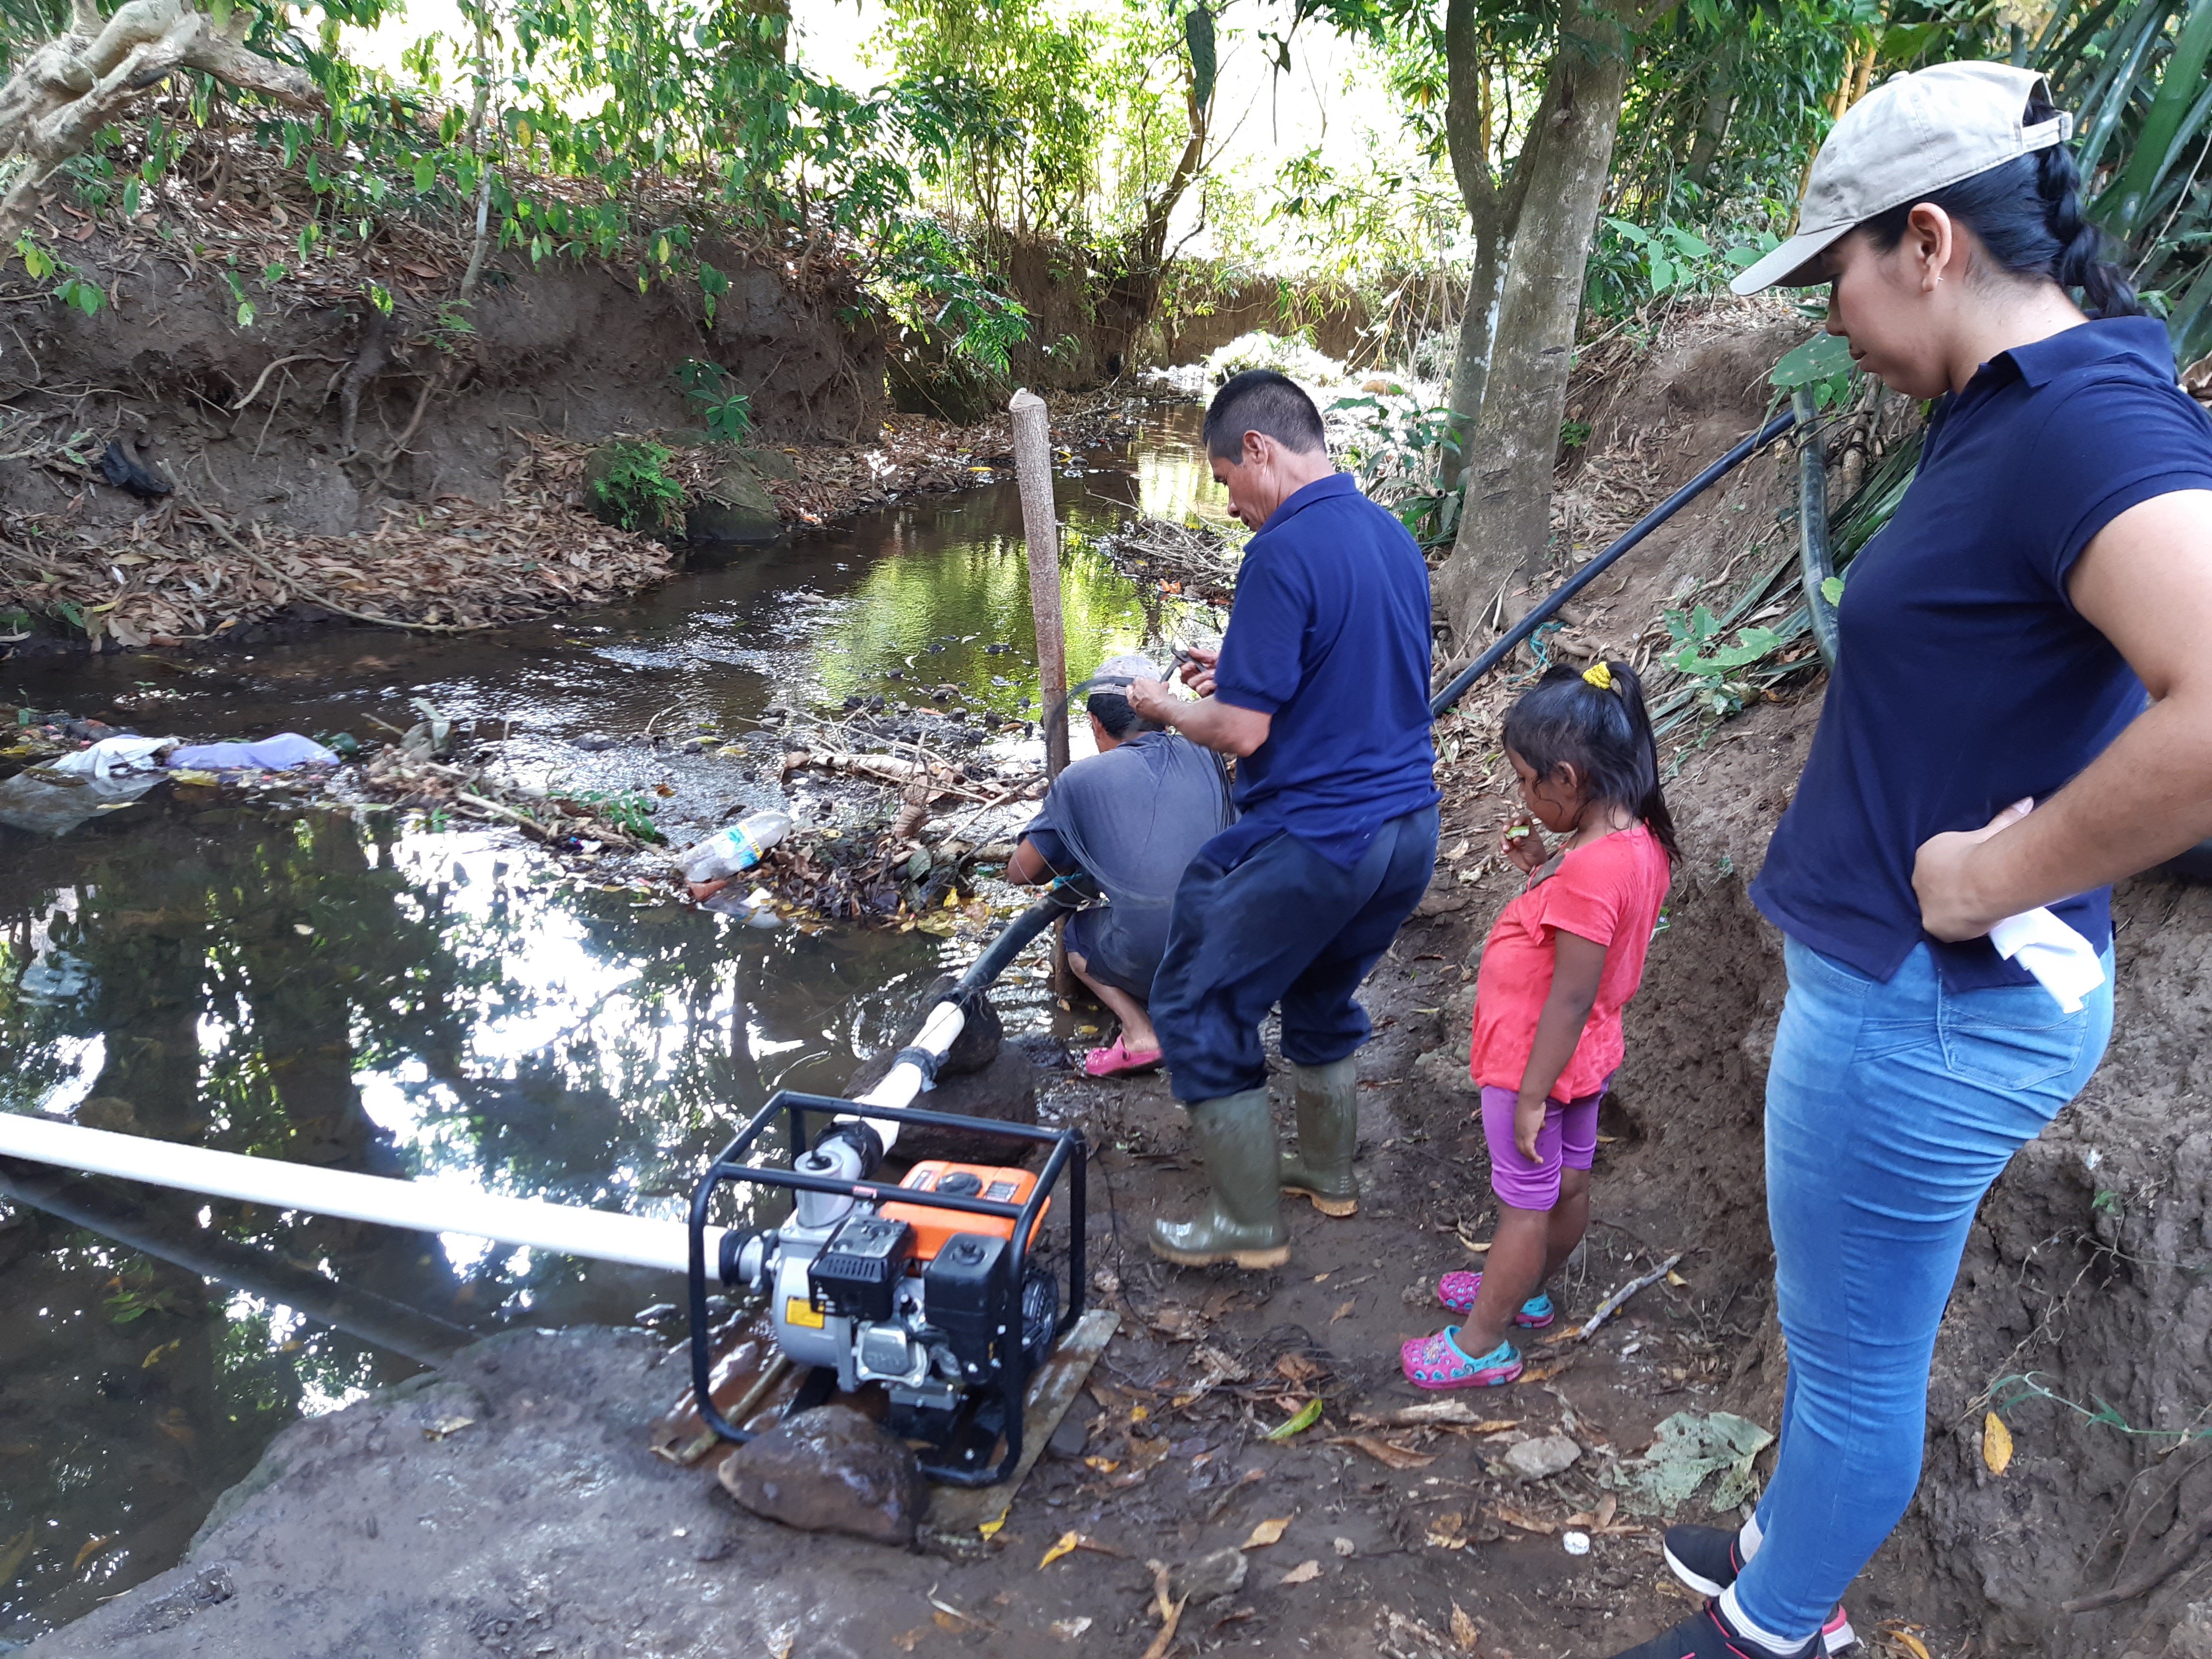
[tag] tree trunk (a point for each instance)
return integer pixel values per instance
(1504, 523)
(1713, 124)
(98, 72)
(1471, 358)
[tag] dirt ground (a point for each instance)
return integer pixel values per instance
(2082, 1315)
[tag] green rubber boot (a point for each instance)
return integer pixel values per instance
(1242, 1220)
(1328, 1135)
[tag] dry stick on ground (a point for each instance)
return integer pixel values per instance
(2177, 1553)
(268, 569)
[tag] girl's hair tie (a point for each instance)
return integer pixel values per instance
(1599, 675)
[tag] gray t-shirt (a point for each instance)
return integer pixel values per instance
(1133, 817)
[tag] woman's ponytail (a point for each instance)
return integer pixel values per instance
(2079, 262)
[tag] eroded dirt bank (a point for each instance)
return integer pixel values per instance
(545, 1526)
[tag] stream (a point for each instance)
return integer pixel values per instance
(386, 993)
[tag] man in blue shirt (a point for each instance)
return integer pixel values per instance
(1320, 690)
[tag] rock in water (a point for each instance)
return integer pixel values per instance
(1535, 1460)
(831, 1470)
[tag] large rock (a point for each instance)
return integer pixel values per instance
(735, 506)
(831, 1470)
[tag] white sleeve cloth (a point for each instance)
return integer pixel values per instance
(2067, 964)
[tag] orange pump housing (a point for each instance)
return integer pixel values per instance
(933, 1226)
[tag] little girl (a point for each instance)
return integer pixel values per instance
(1562, 960)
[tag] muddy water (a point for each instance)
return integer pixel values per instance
(386, 993)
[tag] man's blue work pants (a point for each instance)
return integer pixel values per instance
(1891, 1107)
(1282, 925)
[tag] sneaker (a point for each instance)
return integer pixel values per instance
(1706, 1635)
(1457, 1292)
(1706, 1558)
(1837, 1635)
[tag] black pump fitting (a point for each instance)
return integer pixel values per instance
(860, 1137)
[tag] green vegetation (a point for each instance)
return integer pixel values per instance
(635, 488)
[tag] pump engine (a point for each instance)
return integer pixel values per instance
(927, 1288)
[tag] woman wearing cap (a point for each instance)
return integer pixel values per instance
(2051, 561)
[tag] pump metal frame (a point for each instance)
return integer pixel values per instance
(1067, 1156)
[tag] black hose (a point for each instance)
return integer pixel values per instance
(1068, 894)
(1589, 573)
(1812, 560)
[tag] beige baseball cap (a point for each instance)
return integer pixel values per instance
(1911, 136)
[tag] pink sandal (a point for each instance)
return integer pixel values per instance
(1438, 1362)
(1118, 1059)
(1457, 1292)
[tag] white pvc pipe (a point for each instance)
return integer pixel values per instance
(421, 1206)
(903, 1081)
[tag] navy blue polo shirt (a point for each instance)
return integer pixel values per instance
(1966, 680)
(1330, 636)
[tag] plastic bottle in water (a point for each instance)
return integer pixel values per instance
(737, 847)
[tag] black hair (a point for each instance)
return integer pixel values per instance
(1261, 400)
(1111, 709)
(2028, 214)
(1605, 734)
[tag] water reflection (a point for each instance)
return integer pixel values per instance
(370, 993)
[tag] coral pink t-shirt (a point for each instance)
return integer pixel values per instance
(1608, 892)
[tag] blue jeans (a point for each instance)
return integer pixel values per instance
(1889, 1109)
(1283, 924)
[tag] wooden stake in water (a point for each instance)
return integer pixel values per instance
(1041, 528)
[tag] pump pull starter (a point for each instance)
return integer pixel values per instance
(929, 1288)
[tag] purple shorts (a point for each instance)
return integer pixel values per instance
(1567, 1140)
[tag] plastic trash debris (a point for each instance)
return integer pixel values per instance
(125, 471)
(1576, 1543)
(109, 755)
(1688, 1448)
(277, 754)
(737, 847)
(46, 802)
(748, 908)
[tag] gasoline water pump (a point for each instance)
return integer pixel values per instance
(929, 1288)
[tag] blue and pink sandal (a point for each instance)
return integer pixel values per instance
(1457, 1292)
(1438, 1362)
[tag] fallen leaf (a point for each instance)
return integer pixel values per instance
(1526, 1522)
(1308, 1414)
(14, 1553)
(951, 1621)
(1677, 1280)
(91, 1547)
(905, 1643)
(446, 1427)
(1304, 1573)
(1343, 1547)
(1448, 1532)
(1165, 1639)
(1463, 1630)
(1384, 1451)
(990, 1528)
(1297, 1368)
(1066, 1546)
(1997, 1443)
(1441, 1413)
(154, 1358)
(1103, 1465)
(1905, 1639)
(1608, 1507)
(1068, 1629)
(1344, 1312)
(1267, 1532)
